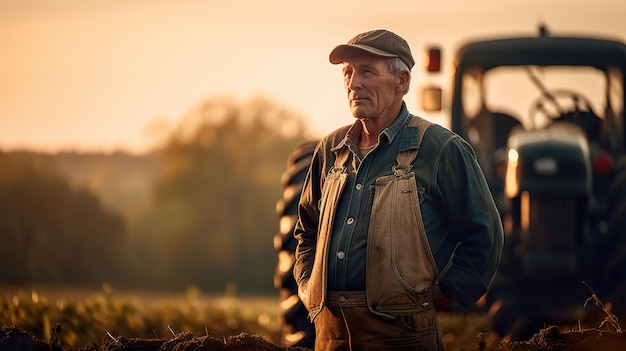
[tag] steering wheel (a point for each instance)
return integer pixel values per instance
(558, 103)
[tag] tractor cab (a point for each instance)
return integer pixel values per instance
(545, 115)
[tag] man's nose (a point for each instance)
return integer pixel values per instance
(353, 82)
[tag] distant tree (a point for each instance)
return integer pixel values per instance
(52, 233)
(213, 216)
(121, 181)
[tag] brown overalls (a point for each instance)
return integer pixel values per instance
(396, 312)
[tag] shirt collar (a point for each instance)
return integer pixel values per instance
(352, 136)
(401, 120)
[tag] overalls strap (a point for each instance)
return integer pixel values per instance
(405, 158)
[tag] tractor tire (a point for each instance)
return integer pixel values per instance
(297, 330)
(516, 319)
(616, 230)
(511, 316)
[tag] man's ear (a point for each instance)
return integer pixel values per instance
(405, 78)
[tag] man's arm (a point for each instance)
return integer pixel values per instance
(305, 230)
(474, 223)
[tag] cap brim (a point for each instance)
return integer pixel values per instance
(348, 51)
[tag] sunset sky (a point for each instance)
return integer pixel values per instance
(100, 74)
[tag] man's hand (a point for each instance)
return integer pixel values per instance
(440, 299)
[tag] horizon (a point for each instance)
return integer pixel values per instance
(105, 75)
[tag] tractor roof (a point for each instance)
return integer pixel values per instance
(542, 50)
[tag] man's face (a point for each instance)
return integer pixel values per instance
(372, 90)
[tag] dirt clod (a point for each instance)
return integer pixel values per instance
(551, 339)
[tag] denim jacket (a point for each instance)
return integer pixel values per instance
(461, 220)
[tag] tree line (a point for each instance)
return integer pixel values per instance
(198, 210)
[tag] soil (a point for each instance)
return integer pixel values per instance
(548, 339)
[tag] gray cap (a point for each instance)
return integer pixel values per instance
(378, 42)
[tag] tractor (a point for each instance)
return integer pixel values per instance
(545, 116)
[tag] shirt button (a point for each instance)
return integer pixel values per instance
(341, 255)
(350, 220)
(359, 186)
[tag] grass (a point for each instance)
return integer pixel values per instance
(611, 320)
(88, 319)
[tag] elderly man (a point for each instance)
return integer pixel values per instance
(395, 217)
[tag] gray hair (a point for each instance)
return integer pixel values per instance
(396, 65)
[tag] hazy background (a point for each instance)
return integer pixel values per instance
(108, 74)
(142, 142)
